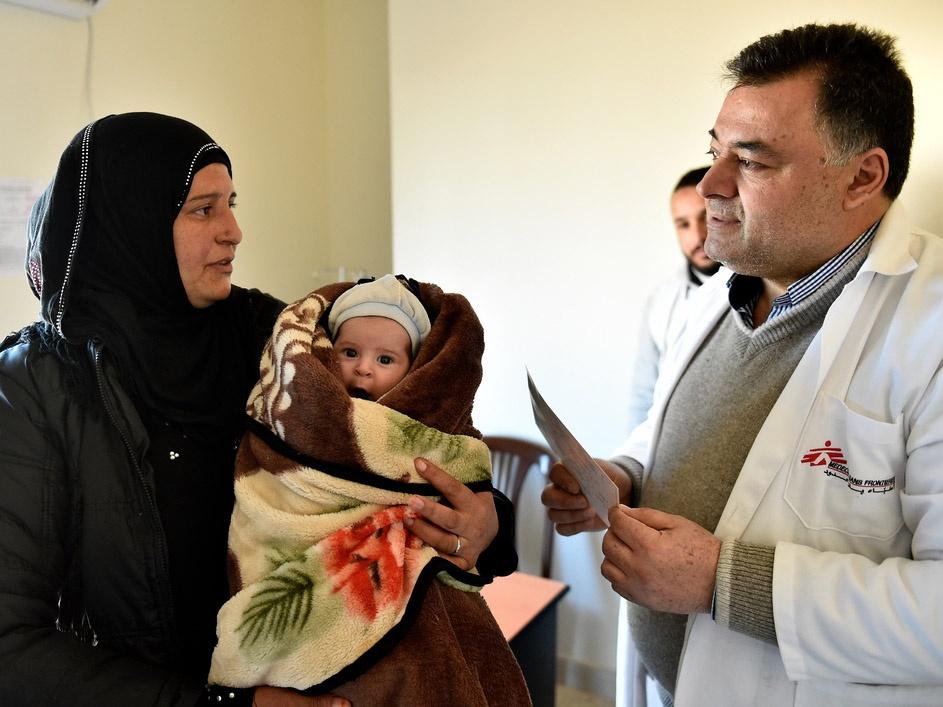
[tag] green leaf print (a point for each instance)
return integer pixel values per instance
(417, 440)
(279, 556)
(280, 608)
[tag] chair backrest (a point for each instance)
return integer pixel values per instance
(511, 461)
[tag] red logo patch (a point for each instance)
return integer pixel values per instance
(821, 456)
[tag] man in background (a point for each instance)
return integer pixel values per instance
(663, 316)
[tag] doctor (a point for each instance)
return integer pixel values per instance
(782, 533)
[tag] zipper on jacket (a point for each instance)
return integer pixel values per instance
(77, 230)
(151, 502)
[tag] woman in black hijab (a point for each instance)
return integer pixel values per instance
(120, 413)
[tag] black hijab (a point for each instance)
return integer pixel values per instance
(101, 260)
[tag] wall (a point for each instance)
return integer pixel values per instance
(296, 91)
(357, 135)
(534, 147)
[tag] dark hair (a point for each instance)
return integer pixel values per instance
(866, 98)
(691, 179)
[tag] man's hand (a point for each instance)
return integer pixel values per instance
(266, 696)
(664, 562)
(462, 532)
(568, 508)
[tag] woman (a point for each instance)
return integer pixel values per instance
(119, 415)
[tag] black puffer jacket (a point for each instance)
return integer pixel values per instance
(84, 581)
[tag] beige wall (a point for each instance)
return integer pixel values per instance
(534, 146)
(357, 135)
(295, 90)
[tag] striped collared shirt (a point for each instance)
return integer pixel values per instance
(745, 290)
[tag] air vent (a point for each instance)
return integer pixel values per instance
(76, 9)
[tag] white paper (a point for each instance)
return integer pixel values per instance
(598, 488)
(16, 200)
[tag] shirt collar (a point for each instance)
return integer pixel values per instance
(696, 277)
(745, 290)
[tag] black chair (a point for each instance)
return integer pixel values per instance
(512, 460)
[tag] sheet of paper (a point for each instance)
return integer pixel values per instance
(598, 488)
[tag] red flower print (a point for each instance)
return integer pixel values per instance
(366, 561)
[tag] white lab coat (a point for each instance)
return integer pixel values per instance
(858, 573)
(662, 321)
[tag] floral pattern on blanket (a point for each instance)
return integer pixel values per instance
(367, 562)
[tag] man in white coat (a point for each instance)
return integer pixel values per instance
(664, 313)
(663, 318)
(781, 538)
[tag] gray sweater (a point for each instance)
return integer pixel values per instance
(710, 423)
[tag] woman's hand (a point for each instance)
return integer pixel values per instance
(459, 533)
(266, 696)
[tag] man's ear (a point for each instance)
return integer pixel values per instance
(871, 170)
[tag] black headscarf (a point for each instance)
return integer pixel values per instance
(101, 260)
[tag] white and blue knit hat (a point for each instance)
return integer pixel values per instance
(386, 297)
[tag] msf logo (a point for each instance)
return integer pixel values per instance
(824, 456)
(835, 465)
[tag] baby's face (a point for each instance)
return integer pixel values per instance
(374, 355)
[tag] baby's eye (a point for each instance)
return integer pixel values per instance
(385, 360)
(349, 353)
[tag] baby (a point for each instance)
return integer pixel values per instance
(377, 329)
(333, 593)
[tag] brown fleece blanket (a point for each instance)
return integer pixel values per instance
(332, 590)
